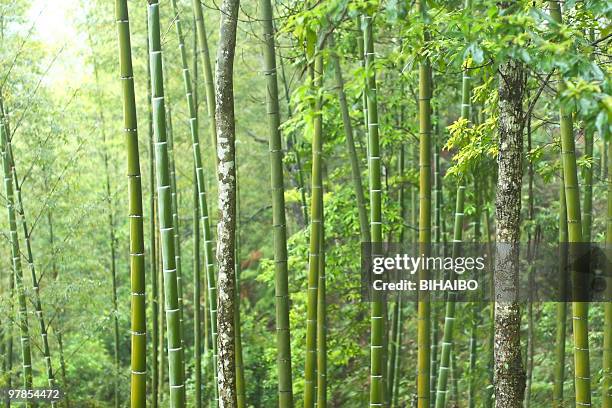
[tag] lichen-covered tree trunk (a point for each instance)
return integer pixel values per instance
(226, 172)
(508, 367)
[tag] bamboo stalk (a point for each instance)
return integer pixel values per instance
(582, 375)
(155, 309)
(26, 353)
(377, 317)
(209, 81)
(165, 215)
(561, 317)
(137, 268)
(316, 222)
(38, 310)
(423, 306)
(279, 223)
(350, 146)
(201, 186)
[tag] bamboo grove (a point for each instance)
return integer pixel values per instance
(191, 188)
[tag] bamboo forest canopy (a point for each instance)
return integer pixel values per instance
(188, 184)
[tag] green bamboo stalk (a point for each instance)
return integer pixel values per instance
(197, 319)
(393, 348)
(175, 217)
(437, 238)
(396, 325)
(377, 325)
(209, 81)
(197, 262)
(606, 389)
(137, 268)
(582, 375)
(449, 319)
(111, 232)
(474, 307)
(58, 327)
(424, 310)
(159, 270)
(291, 145)
(226, 173)
(202, 195)
(397, 362)
(26, 353)
(29, 256)
(322, 324)
(316, 222)
(155, 309)
(283, 334)
(588, 187)
(35, 280)
(561, 317)
(350, 146)
(9, 337)
(164, 202)
(203, 303)
(364, 95)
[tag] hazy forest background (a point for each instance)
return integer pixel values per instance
(452, 96)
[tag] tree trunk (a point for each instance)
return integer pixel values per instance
(508, 366)
(226, 300)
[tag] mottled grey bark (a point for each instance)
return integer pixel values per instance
(508, 368)
(226, 172)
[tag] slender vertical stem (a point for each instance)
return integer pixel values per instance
(314, 263)
(197, 319)
(209, 81)
(298, 169)
(279, 224)
(424, 312)
(561, 323)
(582, 375)
(200, 182)
(377, 318)
(322, 323)
(155, 341)
(38, 310)
(350, 146)
(137, 261)
(588, 187)
(165, 212)
(26, 353)
(449, 319)
(58, 326)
